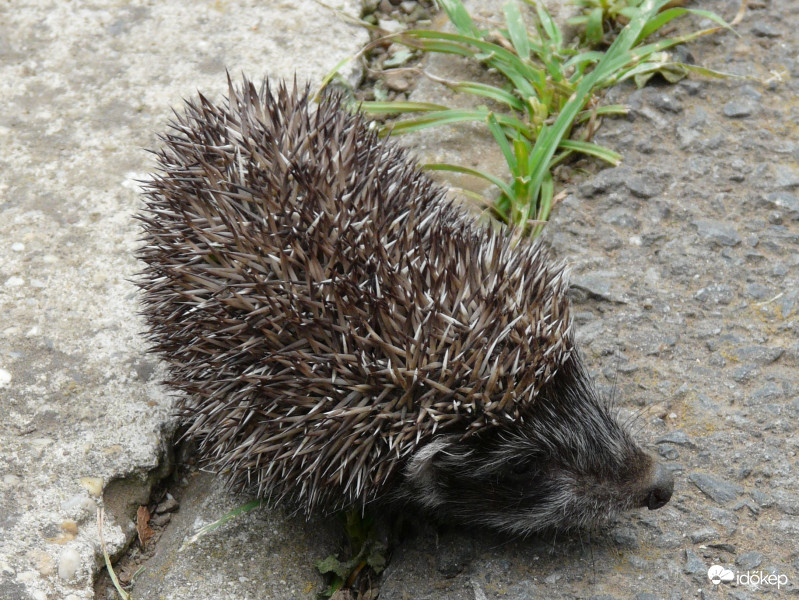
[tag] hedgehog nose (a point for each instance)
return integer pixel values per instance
(661, 488)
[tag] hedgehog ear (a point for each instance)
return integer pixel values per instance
(422, 461)
(422, 475)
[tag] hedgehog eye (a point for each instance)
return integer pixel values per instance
(521, 474)
(521, 468)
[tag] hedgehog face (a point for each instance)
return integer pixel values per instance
(570, 463)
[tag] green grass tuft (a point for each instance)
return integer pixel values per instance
(547, 88)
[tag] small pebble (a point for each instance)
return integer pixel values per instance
(692, 86)
(620, 217)
(749, 561)
(775, 218)
(737, 110)
(642, 187)
(677, 437)
(43, 561)
(665, 102)
(761, 355)
(717, 293)
(5, 378)
(625, 537)
(70, 526)
(169, 504)
(668, 452)
(693, 564)
(370, 6)
(779, 270)
(79, 506)
(743, 373)
(17, 246)
(786, 201)
(763, 29)
(93, 485)
(758, 291)
(397, 82)
(718, 232)
(701, 536)
(751, 92)
(717, 489)
(786, 177)
(763, 500)
(768, 392)
(69, 564)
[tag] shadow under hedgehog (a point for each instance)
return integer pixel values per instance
(342, 334)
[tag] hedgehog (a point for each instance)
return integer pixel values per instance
(341, 334)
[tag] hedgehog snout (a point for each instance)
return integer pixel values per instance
(661, 485)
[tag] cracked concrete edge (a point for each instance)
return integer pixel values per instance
(85, 87)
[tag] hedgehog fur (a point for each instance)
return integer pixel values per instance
(338, 330)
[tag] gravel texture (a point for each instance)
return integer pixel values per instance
(685, 267)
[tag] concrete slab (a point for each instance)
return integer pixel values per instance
(84, 87)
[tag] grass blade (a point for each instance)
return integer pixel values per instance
(502, 141)
(608, 109)
(544, 205)
(670, 71)
(496, 56)
(669, 15)
(373, 107)
(459, 16)
(450, 116)
(593, 26)
(467, 171)
(549, 25)
(332, 74)
(436, 43)
(517, 29)
(609, 156)
(488, 91)
(615, 58)
(444, 117)
(582, 59)
(231, 514)
(642, 51)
